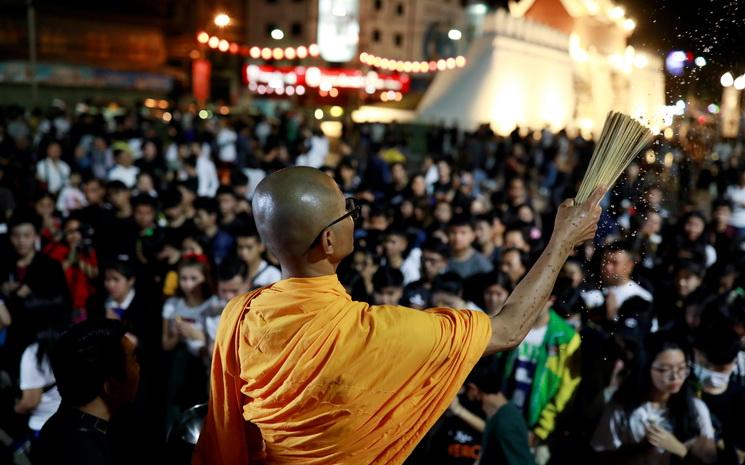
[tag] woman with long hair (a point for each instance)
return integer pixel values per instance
(184, 338)
(654, 417)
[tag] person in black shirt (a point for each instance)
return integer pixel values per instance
(113, 232)
(179, 226)
(434, 262)
(231, 216)
(684, 291)
(150, 238)
(715, 349)
(98, 215)
(33, 287)
(97, 376)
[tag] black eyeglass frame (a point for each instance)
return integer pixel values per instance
(353, 210)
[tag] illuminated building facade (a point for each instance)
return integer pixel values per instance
(555, 63)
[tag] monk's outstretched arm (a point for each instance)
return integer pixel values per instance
(574, 224)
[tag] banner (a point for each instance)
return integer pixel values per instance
(325, 78)
(200, 79)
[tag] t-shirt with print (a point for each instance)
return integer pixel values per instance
(520, 384)
(736, 195)
(454, 442)
(176, 308)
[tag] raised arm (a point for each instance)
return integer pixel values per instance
(574, 224)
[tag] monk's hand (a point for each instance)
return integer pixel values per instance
(576, 224)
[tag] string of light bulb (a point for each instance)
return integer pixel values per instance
(416, 67)
(267, 53)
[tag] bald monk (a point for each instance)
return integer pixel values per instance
(302, 374)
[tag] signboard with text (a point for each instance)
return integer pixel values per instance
(324, 79)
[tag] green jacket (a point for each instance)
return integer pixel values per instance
(556, 376)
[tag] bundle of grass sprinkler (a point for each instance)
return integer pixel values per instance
(620, 142)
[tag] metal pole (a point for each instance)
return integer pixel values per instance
(32, 51)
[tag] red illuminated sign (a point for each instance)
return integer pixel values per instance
(200, 80)
(298, 78)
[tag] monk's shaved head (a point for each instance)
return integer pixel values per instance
(292, 206)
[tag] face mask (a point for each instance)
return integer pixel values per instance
(711, 378)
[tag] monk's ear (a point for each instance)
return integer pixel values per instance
(327, 241)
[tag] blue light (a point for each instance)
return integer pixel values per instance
(675, 62)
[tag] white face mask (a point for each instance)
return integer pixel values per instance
(710, 378)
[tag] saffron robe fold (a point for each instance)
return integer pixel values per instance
(327, 380)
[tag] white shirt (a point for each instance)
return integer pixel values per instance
(207, 176)
(267, 274)
(127, 175)
(226, 145)
(255, 176)
(34, 376)
(172, 154)
(616, 428)
(626, 291)
(595, 298)
(262, 131)
(736, 195)
(55, 174)
(175, 307)
(411, 267)
(711, 255)
(70, 198)
(135, 146)
(431, 177)
(316, 155)
(124, 304)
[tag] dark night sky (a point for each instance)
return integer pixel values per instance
(712, 28)
(718, 25)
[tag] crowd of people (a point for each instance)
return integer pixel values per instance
(637, 358)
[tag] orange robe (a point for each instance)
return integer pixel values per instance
(328, 380)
